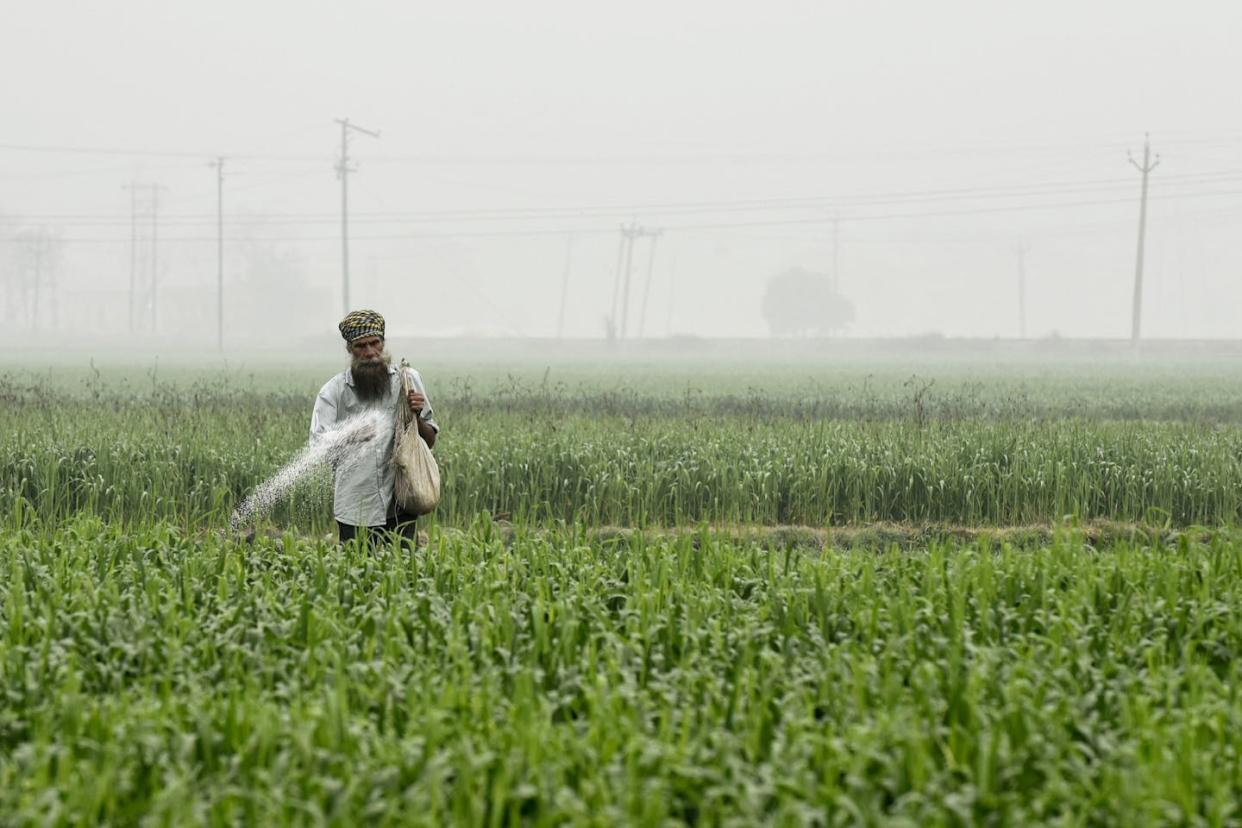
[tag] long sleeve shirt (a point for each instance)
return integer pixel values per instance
(363, 481)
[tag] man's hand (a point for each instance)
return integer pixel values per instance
(417, 402)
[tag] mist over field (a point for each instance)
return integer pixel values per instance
(559, 169)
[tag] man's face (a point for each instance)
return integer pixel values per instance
(369, 367)
(367, 348)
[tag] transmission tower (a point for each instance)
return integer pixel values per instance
(144, 262)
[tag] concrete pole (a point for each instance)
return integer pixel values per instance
(642, 317)
(1136, 320)
(569, 252)
(343, 171)
(1021, 250)
(219, 165)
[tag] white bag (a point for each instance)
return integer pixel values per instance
(418, 476)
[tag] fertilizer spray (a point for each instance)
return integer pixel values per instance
(331, 447)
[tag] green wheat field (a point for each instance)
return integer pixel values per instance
(796, 593)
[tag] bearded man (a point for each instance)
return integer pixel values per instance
(363, 500)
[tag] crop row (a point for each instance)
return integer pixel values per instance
(185, 679)
(195, 466)
(1186, 393)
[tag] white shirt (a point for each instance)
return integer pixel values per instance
(363, 490)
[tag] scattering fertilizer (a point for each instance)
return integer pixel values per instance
(333, 447)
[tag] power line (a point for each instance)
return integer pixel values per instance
(703, 226)
(27, 176)
(672, 208)
(147, 153)
(696, 158)
(938, 213)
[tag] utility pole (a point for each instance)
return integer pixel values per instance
(632, 233)
(219, 165)
(44, 253)
(53, 271)
(1022, 249)
(616, 282)
(155, 256)
(40, 241)
(133, 250)
(654, 235)
(625, 264)
(836, 250)
(342, 171)
(143, 274)
(1136, 322)
(569, 252)
(629, 234)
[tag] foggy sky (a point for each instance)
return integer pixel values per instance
(870, 111)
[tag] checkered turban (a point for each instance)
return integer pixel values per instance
(360, 323)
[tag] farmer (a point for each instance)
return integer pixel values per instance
(363, 501)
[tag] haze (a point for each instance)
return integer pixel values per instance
(938, 136)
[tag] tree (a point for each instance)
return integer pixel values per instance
(800, 303)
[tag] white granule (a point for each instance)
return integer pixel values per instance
(331, 447)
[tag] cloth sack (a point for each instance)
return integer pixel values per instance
(417, 475)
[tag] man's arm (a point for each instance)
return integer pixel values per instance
(428, 431)
(421, 408)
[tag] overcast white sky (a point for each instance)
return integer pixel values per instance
(769, 118)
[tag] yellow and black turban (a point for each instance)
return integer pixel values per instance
(360, 323)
